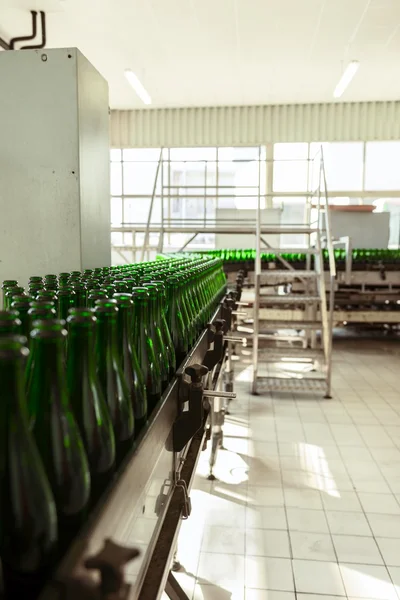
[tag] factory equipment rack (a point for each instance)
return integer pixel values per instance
(138, 517)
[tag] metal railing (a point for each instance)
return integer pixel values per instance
(325, 235)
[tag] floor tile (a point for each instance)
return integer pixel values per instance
(342, 501)
(229, 540)
(346, 522)
(395, 576)
(379, 503)
(264, 496)
(317, 578)
(302, 498)
(214, 592)
(362, 469)
(318, 597)
(386, 455)
(256, 448)
(377, 485)
(312, 546)
(384, 525)
(302, 519)
(366, 581)
(251, 594)
(269, 573)
(311, 460)
(266, 517)
(267, 542)
(390, 549)
(224, 570)
(355, 453)
(357, 549)
(223, 511)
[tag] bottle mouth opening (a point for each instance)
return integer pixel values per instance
(81, 316)
(49, 334)
(111, 311)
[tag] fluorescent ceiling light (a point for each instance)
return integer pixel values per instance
(346, 78)
(137, 86)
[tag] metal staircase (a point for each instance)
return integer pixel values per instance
(287, 353)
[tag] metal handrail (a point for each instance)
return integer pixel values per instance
(329, 238)
(327, 316)
(147, 233)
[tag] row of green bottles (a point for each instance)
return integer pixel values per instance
(359, 256)
(84, 387)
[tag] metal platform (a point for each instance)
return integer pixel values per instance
(299, 325)
(270, 299)
(293, 385)
(289, 352)
(286, 274)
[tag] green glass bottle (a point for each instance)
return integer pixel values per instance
(166, 335)
(175, 321)
(132, 371)
(22, 306)
(56, 431)
(95, 295)
(7, 283)
(88, 401)
(156, 335)
(28, 525)
(49, 296)
(112, 378)
(80, 292)
(10, 322)
(35, 279)
(34, 288)
(15, 290)
(145, 347)
(51, 282)
(66, 301)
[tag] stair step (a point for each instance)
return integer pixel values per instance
(299, 325)
(290, 384)
(287, 274)
(290, 352)
(288, 229)
(268, 299)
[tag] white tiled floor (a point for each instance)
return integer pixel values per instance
(307, 501)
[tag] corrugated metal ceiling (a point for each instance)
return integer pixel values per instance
(253, 125)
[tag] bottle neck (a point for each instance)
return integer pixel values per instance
(80, 349)
(153, 311)
(107, 332)
(142, 315)
(49, 357)
(124, 326)
(12, 387)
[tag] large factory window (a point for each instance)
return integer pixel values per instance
(190, 187)
(343, 164)
(382, 166)
(291, 168)
(204, 185)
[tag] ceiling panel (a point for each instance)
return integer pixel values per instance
(227, 52)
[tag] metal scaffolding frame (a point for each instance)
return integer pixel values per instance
(317, 298)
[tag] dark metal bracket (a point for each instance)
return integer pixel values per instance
(191, 420)
(214, 355)
(28, 38)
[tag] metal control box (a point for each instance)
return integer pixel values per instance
(54, 164)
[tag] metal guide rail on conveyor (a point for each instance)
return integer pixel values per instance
(126, 549)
